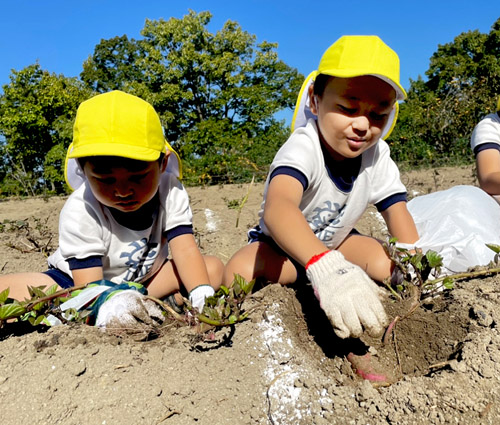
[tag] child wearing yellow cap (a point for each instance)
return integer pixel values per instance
(331, 168)
(127, 213)
(485, 142)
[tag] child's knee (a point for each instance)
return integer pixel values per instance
(241, 263)
(380, 268)
(215, 269)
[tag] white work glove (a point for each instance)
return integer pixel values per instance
(128, 309)
(197, 296)
(347, 295)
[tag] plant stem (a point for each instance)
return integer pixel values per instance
(220, 323)
(244, 201)
(166, 307)
(464, 275)
(56, 294)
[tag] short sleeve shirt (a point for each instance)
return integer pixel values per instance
(486, 134)
(330, 206)
(89, 229)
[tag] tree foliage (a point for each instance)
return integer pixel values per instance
(113, 65)
(463, 83)
(37, 110)
(217, 93)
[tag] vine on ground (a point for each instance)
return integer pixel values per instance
(224, 308)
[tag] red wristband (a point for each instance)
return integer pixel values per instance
(315, 258)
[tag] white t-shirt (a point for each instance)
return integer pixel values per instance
(487, 131)
(88, 229)
(330, 206)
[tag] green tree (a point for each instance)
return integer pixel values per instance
(37, 109)
(114, 64)
(462, 86)
(217, 94)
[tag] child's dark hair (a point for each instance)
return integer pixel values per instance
(320, 83)
(109, 162)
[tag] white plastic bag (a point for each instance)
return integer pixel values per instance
(457, 223)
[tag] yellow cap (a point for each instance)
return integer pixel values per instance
(357, 55)
(498, 104)
(117, 124)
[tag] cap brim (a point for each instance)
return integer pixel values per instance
(75, 177)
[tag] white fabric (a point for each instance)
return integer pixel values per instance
(86, 228)
(349, 298)
(84, 297)
(457, 223)
(331, 213)
(128, 309)
(486, 131)
(198, 295)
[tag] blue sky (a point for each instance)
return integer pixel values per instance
(61, 34)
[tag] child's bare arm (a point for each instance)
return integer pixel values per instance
(488, 170)
(83, 276)
(400, 223)
(346, 293)
(285, 221)
(189, 262)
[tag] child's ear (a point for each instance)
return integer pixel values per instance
(313, 100)
(164, 161)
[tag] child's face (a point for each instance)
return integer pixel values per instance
(123, 187)
(352, 114)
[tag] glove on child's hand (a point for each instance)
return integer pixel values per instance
(197, 296)
(128, 309)
(348, 296)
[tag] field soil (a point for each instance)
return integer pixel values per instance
(283, 365)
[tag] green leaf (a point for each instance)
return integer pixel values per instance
(35, 321)
(416, 261)
(223, 290)
(8, 311)
(37, 291)
(4, 295)
(248, 286)
(448, 283)
(39, 306)
(434, 259)
(495, 248)
(52, 289)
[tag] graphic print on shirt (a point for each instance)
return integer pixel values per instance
(140, 259)
(326, 220)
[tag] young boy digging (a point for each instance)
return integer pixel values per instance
(127, 210)
(321, 181)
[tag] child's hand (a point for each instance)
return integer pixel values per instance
(348, 296)
(128, 309)
(197, 296)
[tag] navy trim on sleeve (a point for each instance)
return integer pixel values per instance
(292, 172)
(84, 263)
(485, 146)
(183, 229)
(62, 279)
(391, 200)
